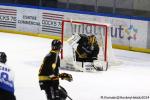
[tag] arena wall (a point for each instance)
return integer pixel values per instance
(130, 33)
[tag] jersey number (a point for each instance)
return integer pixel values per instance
(4, 76)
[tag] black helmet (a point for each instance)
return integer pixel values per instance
(56, 45)
(92, 39)
(3, 57)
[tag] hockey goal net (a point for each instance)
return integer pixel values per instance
(99, 30)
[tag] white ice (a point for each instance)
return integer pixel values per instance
(26, 53)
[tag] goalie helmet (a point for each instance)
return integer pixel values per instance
(56, 45)
(3, 57)
(92, 40)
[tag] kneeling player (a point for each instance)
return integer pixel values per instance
(87, 49)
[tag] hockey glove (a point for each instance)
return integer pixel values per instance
(66, 76)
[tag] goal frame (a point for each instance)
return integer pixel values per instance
(104, 25)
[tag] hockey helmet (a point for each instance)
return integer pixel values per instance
(56, 45)
(3, 57)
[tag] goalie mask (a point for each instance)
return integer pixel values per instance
(3, 57)
(92, 40)
(56, 45)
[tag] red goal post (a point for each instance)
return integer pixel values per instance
(86, 27)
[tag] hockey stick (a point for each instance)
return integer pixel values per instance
(65, 92)
(54, 64)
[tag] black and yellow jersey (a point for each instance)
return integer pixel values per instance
(50, 66)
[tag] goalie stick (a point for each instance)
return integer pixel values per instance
(54, 64)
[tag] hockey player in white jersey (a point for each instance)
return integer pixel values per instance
(6, 80)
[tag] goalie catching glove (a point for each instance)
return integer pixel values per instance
(66, 76)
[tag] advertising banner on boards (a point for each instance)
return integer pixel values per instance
(124, 31)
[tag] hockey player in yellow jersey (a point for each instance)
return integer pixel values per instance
(49, 74)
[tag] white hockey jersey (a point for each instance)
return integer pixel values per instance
(6, 78)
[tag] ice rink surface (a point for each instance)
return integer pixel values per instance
(26, 53)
